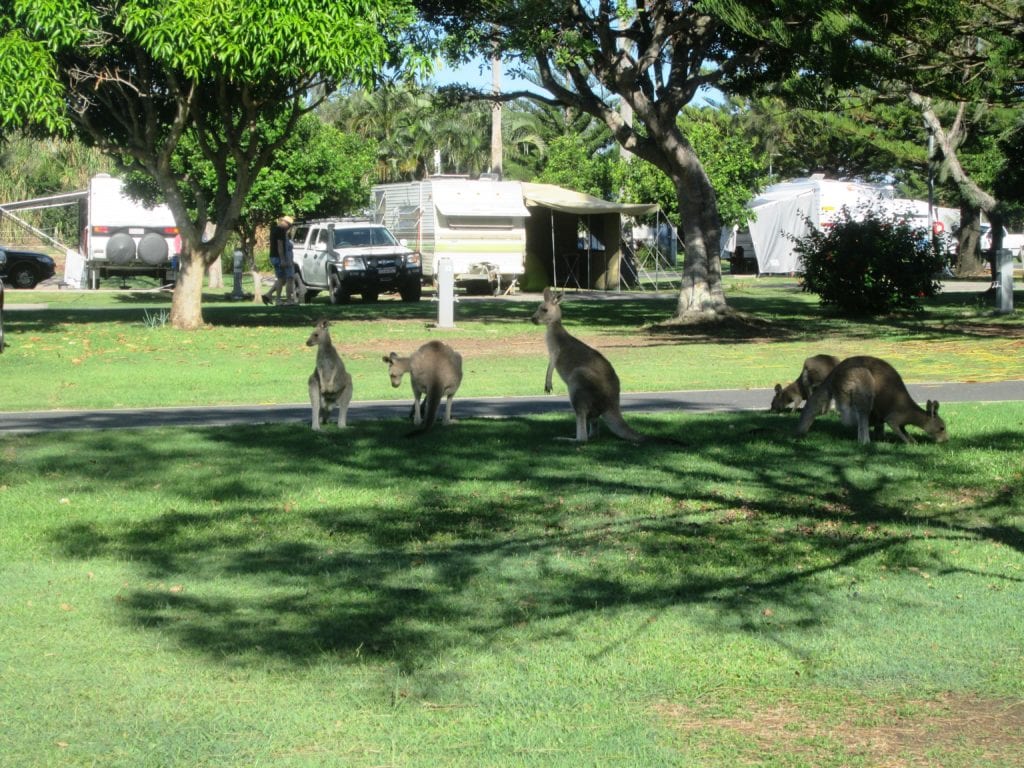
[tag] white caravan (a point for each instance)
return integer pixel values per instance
(478, 224)
(124, 237)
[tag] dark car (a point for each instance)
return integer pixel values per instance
(25, 269)
(3, 259)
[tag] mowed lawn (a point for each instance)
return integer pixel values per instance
(489, 595)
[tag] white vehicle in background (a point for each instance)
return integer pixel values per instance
(1011, 242)
(123, 237)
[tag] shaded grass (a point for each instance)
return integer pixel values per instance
(486, 595)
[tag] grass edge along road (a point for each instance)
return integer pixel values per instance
(89, 351)
(265, 595)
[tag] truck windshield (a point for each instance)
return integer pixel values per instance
(363, 237)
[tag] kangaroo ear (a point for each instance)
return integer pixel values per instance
(557, 298)
(547, 294)
(778, 388)
(387, 359)
(933, 408)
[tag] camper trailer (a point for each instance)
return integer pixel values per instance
(478, 224)
(123, 237)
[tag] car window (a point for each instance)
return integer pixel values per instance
(383, 236)
(321, 240)
(299, 238)
(356, 237)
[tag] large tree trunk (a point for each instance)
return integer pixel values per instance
(187, 300)
(701, 295)
(969, 261)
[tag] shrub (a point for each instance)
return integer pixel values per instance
(871, 264)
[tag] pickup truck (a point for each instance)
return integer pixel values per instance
(346, 257)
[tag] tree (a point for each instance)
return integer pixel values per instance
(135, 77)
(949, 59)
(654, 58)
(728, 155)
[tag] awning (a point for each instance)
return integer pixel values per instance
(479, 199)
(567, 201)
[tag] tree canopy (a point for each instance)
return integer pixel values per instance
(135, 77)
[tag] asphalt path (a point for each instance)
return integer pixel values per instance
(24, 422)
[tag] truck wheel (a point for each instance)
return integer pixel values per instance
(370, 297)
(412, 291)
(336, 290)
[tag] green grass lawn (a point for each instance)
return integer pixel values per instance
(102, 349)
(488, 595)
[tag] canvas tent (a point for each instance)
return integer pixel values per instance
(555, 248)
(785, 211)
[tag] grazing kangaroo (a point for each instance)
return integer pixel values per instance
(329, 384)
(593, 383)
(814, 371)
(869, 392)
(435, 370)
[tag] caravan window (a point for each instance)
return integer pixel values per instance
(481, 222)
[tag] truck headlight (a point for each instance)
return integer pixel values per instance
(413, 260)
(353, 262)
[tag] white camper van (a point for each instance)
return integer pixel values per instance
(478, 224)
(123, 237)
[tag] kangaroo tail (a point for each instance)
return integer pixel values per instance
(433, 403)
(620, 428)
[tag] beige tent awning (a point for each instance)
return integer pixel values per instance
(567, 201)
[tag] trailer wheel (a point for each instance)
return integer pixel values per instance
(153, 249)
(120, 248)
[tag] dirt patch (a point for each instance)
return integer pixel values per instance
(952, 729)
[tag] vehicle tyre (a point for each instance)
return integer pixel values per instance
(370, 297)
(23, 276)
(412, 291)
(120, 248)
(336, 290)
(153, 249)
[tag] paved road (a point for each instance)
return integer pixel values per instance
(479, 407)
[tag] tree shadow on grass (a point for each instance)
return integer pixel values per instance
(363, 543)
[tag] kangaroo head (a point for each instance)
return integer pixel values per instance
(319, 332)
(549, 310)
(935, 426)
(395, 368)
(780, 401)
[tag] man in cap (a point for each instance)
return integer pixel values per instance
(283, 262)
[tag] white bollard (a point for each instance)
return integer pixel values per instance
(1004, 277)
(445, 293)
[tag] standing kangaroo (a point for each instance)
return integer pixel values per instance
(593, 384)
(435, 370)
(329, 384)
(869, 392)
(816, 369)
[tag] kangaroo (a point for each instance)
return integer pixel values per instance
(814, 371)
(593, 383)
(869, 392)
(329, 384)
(435, 370)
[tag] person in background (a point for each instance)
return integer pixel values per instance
(280, 259)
